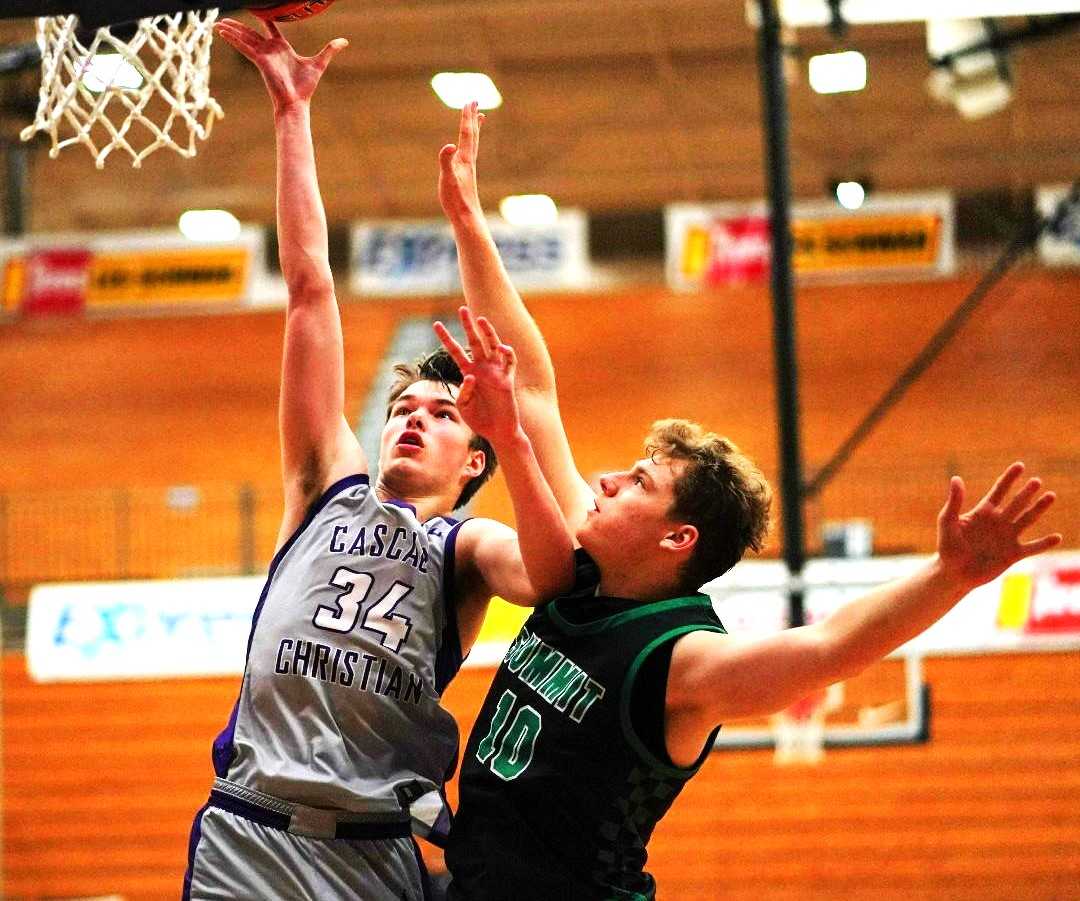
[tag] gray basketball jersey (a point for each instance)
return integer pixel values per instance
(352, 642)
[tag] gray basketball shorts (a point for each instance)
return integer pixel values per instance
(235, 858)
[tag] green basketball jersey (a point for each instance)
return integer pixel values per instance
(558, 793)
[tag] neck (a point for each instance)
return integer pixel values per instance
(426, 505)
(636, 585)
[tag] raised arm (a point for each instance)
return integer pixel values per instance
(715, 677)
(317, 446)
(490, 293)
(537, 563)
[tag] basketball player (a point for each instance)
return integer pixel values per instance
(609, 698)
(338, 747)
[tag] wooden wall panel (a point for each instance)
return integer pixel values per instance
(149, 403)
(101, 781)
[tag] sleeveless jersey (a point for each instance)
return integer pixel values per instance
(352, 642)
(558, 794)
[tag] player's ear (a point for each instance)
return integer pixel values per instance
(475, 462)
(681, 539)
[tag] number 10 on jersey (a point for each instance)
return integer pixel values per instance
(511, 752)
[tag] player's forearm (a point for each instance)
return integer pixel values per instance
(301, 219)
(489, 292)
(547, 547)
(867, 629)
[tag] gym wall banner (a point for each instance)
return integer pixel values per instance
(1059, 246)
(199, 627)
(393, 258)
(896, 236)
(1034, 606)
(126, 271)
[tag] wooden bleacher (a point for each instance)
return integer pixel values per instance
(100, 780)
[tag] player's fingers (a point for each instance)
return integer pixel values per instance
(446, 156)
(237, 39)
(509, 357)
(465, 393)
(1001, 487)
(480, 351)
(1022, 500)
(456, 351)
(474, 130)
(272, 29)
(465, 133)
(331, 50)
(487, 330)
(1035, 511)
(954, 501)
(1030, 548)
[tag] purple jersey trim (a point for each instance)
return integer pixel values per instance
(222, 752)
(448, 659)
(193, 844)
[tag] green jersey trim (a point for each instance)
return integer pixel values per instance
(617, 619)
(628, 692)
(623, 895)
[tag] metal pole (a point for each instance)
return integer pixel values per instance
(15, 170)
(775, 130)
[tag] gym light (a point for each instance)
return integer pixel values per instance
(834, 73)
(528, 209)
(106, 71)
(209, 225)
(455, 89)
(850, 194)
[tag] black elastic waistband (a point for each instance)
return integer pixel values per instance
(275, 820)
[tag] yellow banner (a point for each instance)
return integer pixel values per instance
(866, 242)
(168, 277)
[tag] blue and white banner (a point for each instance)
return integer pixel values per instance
(391, 258)
(140, 630)
(1059, 244)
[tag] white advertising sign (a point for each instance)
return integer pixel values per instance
(889, 236)
(1059, 244)
(140, 630)
(390, 258)
(1034, 606)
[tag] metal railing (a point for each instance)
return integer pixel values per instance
(230, 529)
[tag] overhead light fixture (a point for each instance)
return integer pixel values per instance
(528, 209)
(455, 89)
(110, 71)
(970, 72)
(834, 73)
(851, 195)
(209, 225)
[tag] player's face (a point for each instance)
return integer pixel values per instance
(632, 512)
(425, 442)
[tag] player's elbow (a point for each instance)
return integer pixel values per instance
(309, 285)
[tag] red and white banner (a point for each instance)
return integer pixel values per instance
(56, 280)
(892, 236)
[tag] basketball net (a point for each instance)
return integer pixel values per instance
(137, 94)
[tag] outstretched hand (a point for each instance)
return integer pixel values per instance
(486, 400)
(290, 78)
(458, 193)
(979, 545)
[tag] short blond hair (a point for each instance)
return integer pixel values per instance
(720, 491)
